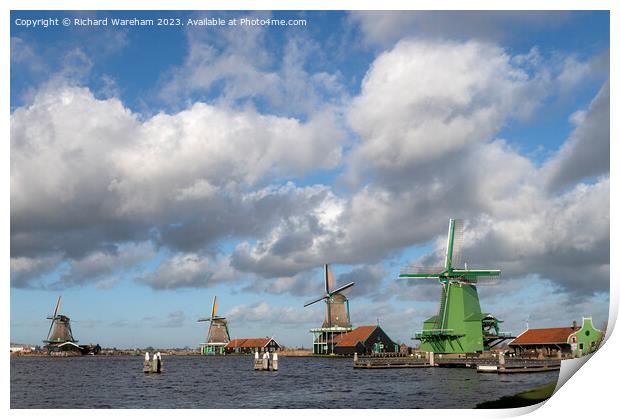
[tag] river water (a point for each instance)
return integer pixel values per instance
(230, 382)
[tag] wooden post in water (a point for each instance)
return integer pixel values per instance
(155, 368)
(266, 361)
(502, 361)
(274, 362)
(146, 367)
(355, 357)
(431, 358)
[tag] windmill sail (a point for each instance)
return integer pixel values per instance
(217, 335)
(336, 310)
(60, 328)
(459, 326)
(214, 307)
(423, 271)
(329, 279)
(457, 243)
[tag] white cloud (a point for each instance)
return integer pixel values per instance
(423, 100)
(240, 67)
(586, 153)
(386, 27)
(427, 117)
(189, 271)
(110, 176)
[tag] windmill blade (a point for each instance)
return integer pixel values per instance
(58, 302)
(214, 307)
(485, 280)
(457, 242)
(342, 288)
(204, 319)
(329, 278)
(50, 330)
(468, 273)
(422, 272)
(316, 300)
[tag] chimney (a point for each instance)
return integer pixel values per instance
(574, 325)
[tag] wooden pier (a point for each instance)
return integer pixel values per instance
(389, 360)
(498, 364)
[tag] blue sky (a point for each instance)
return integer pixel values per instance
(155, 167)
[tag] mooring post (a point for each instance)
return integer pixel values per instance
(502, 361)
(146, 367)
(265, 361)
(156, 364)
(355, 357)
(274, 363)
(431, 358)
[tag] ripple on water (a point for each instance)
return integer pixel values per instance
(187, 382)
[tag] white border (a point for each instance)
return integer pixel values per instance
(592, 385)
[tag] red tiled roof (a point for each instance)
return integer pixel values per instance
(359, 334)
(540, 336)
(248, 343)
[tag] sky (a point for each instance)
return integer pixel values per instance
(154, 167)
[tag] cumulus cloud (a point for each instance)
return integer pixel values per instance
(425, 122)
(111, 177)
(384, 28)
(188, 271)
(423, 175)
(99, 266)
(424, 100)
(25, 271)
(586, 153)
(238, 64)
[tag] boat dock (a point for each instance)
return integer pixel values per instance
(498, 364)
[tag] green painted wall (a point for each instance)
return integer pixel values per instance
(465, 336)
(586, 339)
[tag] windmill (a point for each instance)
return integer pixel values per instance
(459, 326)
(218, 335)
(337, 319)
(59, 332)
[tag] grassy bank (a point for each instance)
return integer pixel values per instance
(527, 398)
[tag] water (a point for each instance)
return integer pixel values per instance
(230, 382)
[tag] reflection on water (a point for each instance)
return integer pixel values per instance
(230, 382)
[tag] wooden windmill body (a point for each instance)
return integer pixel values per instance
(59, 336)
(337, 317)
(217, 335)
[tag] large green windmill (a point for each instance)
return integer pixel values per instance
(459, 326)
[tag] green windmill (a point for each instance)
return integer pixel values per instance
(459, 326)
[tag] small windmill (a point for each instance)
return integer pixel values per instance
(60, 328)
(218, 335)
(459, 326)
(337, 316)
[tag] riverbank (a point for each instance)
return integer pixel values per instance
(526, 398)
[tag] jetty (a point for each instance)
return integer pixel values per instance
(484, 364)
